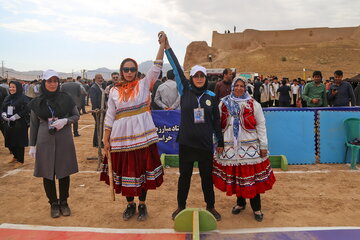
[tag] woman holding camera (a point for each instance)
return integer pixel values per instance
(51, 141)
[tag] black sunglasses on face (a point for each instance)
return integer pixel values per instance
(131, 69)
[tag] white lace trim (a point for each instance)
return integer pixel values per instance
(237, 162)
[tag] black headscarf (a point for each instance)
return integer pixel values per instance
(196, 90)
(16, 98)
(59, 102)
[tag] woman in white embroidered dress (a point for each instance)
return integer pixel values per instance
(243, 168)
(131, 136)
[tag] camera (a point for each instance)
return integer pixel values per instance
(334, 87)
(52, 131)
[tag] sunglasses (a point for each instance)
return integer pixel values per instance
(131, 69)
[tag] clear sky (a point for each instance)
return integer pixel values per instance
(68, 35)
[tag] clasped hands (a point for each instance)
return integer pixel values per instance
(60, 123)
(12, 118)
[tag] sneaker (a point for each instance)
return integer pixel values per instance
(259, 217)
(18, 164)
(176, 212)
(64, 208)
(237, 209)
(54, 210)
(129, 211)
(142, 212)
(214, 213)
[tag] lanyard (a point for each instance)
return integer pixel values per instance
(199, 98)
(51, 110)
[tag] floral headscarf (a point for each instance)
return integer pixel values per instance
(232, 104)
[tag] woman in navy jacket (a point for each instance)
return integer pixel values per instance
(200, 119)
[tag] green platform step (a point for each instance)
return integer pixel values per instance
(195, 220)
(279, 161)
(172, 160)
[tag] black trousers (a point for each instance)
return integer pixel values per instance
(294, 98)
(254, 202)
(187, 157)
(141, 198)
(284, 104)
(95, 136)
(303, 103)
(265, 104)
(83, 100)
(272, 103)
(18, 153)
(50, 189)
(76, 125)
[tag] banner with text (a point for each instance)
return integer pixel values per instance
(167, 124)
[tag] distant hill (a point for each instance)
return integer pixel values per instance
(89, 74)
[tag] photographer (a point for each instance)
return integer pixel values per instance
(341, 92)
(51, 141)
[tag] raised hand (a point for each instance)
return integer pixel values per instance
(162, 38)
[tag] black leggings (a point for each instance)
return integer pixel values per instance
(141, 198)
(50, 189)
(187, 157)
(254, 202)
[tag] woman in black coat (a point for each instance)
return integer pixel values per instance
(15, 113)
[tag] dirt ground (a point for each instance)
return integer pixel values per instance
(298, 199)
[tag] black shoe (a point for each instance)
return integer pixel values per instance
(176, 212)
(64, 208)
(259, 217)
(214, 213)
(142, 212)
(54, 210)
(76, 134)
(237, 209)
(129, 211)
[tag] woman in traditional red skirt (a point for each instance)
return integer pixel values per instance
(131, 137)
(243, 168)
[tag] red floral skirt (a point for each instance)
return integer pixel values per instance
(244, 180)
(134, 171)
